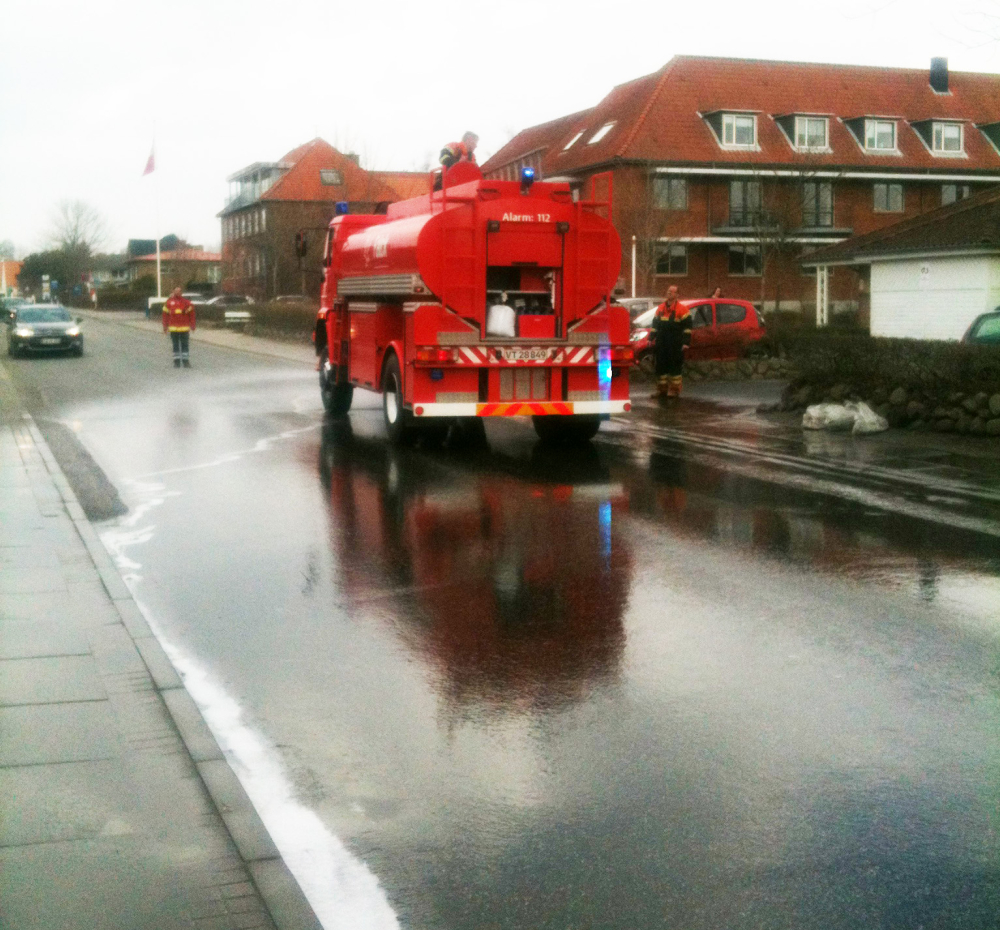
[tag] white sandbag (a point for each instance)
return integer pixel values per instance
(501, 321)
(834, 417)
(867, 420)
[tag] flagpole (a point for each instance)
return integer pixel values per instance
(156, 200)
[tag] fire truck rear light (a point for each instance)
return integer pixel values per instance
(419, 411)
(622, 354)
(435, 354)
(628, 407)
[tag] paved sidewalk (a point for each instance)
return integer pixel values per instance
(117, 808)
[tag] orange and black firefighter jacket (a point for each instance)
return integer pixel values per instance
(671, 332)
(454, 152)
(178, 315)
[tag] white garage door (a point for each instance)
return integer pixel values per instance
(935, 298)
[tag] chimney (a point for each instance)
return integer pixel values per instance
(353, 156)
(939, 75)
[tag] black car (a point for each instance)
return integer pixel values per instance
(8, 305)
(44, 328)
(985, 329)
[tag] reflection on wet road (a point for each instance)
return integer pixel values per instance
(633, 686)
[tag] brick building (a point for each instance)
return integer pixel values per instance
(189, 268)
(272, 204)
(727, 172)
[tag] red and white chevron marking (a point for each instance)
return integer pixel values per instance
(526, 355)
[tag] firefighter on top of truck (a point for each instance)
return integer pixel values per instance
(454, 152)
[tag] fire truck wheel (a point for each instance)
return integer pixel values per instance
(567, 430)
(336, 397)
(398, 420)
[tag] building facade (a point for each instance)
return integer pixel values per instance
(189, 269)
(277, 213)
(726, 172)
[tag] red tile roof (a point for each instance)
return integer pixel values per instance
(302, 181)
(659, 117)
(406, 184)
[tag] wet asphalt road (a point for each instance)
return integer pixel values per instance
(623, 687)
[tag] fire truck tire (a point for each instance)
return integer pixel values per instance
(336, 397)
(567, 430)
(398, 420)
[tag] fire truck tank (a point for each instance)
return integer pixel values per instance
(471, 242)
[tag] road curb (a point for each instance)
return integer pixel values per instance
(278, 889)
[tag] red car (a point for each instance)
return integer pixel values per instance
(720, 328)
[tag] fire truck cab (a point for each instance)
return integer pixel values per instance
(481, 298)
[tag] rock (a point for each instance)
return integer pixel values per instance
(883, 409)
(838, 392)
(775, 364)
(804, 396)
(746, 368)
(995, 405)
(918, 425)
(898, 397)
(962, 424)
(993, 427)
(982, 400)
(880, 395)
(955, 413)
(915, 409)
(756, 376)
(939, 413)
(944, 425)
(956, 398)
(970, 404)
(978, 426)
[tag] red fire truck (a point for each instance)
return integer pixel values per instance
(480, 298)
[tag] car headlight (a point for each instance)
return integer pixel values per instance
(73, 331)
(24, 332)
(636, 336)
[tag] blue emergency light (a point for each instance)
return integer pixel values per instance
(341, 208)
(527, 179)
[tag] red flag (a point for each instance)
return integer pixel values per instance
(150, 165)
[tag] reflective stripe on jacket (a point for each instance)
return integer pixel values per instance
(178, 315)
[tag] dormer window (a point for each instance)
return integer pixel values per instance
(947, 138)
(572, 141)
(739, 130)
(811, 132)
(601, 133)
(880, 135)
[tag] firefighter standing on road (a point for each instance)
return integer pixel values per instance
(672, 335)
(454, 152)
(178, 320)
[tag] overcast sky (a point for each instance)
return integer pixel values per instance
(85, 87)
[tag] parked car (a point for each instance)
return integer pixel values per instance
(229, 300)
(721, 328)
(44, 328)
(985, 329)
(638, 305)
(196, 297)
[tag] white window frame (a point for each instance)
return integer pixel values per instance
(263, 219)
(961, 191)
(602, 132)
(573, 141)
(881, 148)
(802, 133)
(888, 208)
(938, 138)
(730, 123)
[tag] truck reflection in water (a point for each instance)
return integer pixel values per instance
(510, 584)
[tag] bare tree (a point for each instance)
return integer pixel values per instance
(77, 227)
(644, 209)
(7, 250)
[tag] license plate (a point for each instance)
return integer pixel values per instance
(532, 354)
(50, 342)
